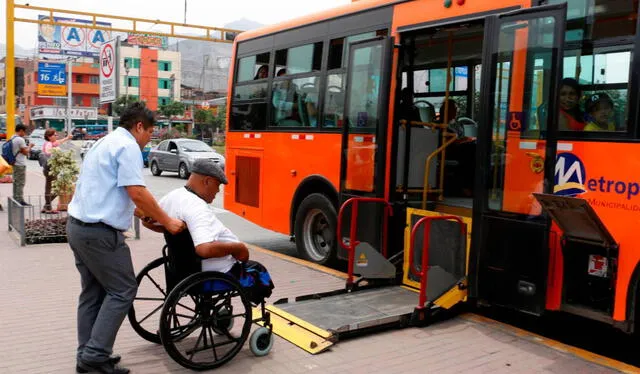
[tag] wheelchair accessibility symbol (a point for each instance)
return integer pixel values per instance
(515, 121)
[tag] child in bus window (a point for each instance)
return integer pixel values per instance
(571, 117)
(599, 112)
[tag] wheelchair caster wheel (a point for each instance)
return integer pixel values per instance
(261, 342)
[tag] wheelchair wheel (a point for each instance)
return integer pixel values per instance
(144, 314)
(214, 328)
(261, 342)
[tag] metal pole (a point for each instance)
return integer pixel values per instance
(10, 71)
(69, 95)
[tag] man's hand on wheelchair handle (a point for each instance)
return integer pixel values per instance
(175, 226)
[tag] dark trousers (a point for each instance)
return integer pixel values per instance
(49, 196)
(109, 287)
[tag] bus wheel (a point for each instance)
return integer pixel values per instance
(315, 229)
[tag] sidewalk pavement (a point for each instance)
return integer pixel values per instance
(40, 286)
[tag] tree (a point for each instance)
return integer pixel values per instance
(220, 121)
(205, 120)
(174, 108)
(122, 102)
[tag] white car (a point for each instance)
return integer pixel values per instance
(86, 146)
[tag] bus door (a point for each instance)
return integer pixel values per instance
(516, 156)
(364, 134)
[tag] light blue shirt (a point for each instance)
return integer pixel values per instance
(112, 164)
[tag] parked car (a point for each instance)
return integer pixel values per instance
(86, 146)
(177, 155)
(37, 139)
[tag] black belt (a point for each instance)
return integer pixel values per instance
(76, 221)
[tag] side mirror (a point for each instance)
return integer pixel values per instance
(173, 150)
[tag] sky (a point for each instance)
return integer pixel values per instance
(199, 12)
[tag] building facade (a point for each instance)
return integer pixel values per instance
(51, 111)
(150, 75)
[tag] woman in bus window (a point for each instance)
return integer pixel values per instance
(599, 112)
(571, 117)
(263, 72)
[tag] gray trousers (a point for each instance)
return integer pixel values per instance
(108, 287)
(19, 179)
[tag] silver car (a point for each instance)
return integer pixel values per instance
(178, 155)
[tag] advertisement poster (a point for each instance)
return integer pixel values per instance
(71, 40)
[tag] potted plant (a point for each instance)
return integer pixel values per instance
(63, 165)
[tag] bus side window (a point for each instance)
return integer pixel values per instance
(249, 101)
(599, 43)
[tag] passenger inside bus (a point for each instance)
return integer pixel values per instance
(571, 116)
(263, 72)
(600, 109)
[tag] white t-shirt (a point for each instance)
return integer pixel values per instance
(202, 223)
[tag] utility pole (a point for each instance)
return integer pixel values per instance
(69, 94)
(10, 71)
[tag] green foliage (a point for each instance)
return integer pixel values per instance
(174, 108)
(63, 165)
(121, 103)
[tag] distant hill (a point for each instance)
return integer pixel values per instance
(214, 57)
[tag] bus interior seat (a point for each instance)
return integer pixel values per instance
(426, 109)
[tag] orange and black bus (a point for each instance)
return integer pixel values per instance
(518, 116)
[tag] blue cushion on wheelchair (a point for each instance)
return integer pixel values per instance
(216, 286)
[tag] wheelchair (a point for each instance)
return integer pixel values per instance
(201, 318)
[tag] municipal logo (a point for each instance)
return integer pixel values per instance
(570, 175)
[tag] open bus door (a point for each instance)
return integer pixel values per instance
(363, 143)
(522, 68)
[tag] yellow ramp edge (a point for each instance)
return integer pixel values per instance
(301, 333)
(452, 297)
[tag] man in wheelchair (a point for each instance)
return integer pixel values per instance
(218, 248)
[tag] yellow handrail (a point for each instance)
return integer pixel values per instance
(427, 169)
(431, 125)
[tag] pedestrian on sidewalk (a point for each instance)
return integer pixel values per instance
(51, 142)
(110, 186)
(21, 151)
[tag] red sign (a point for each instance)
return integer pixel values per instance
(107, 60)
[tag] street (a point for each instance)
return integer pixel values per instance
(167, 181)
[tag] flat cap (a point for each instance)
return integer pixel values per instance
(209, 168)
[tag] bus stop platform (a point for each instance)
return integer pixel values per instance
(40, 287)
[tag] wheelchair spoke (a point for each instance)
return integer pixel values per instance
(150, 314)
(194, 350)
(184, 316)
(180, 329)
(150, 299)
(213, 345)
(187, 308)
(156, 284)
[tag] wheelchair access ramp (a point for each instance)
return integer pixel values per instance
(315, 322)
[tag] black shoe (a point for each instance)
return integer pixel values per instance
(24, 203)
(109, 366)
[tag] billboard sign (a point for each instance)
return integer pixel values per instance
(146, 40)
(52, 79)
(71, 40)
(108, 61)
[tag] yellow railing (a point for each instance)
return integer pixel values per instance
(448, 139)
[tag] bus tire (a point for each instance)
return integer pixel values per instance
(315, 229)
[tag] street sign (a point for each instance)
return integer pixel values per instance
(52, 79)
(108, 61)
